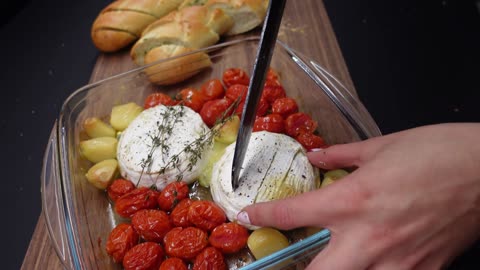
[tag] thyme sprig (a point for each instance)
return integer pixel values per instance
(194, 150)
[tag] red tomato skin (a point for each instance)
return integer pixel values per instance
(205, 215)
(172, 194)
(121, 239)
(210, 259)
(144, 256)
(179, 214)
(285, 106)
(272, 123)
(273, 92)
(191, 98)
(212, 89)
(155, 99)
(299, 123)
(229, 237)
(237, 91)
(151, 224)
(173, 264)
(118, 188)
(262, 108)
(137, 199)
(233, 76)
(310, 141)
(214, 110)
(185, 243)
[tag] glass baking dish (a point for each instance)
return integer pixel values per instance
(79, 217)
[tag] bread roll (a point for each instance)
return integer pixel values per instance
(122, 22)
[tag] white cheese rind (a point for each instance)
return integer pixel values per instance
(136, 142)
(276, 166)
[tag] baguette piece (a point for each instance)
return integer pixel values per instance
(246, 14)
(193, 27)
(122, 22)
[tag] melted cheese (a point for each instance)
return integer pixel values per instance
(136, 142)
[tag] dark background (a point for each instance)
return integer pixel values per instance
(412, 62)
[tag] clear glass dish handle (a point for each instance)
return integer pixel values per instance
(52, 198)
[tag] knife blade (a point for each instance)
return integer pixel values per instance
(262, 63)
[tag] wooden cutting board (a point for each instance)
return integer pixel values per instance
(305, 27)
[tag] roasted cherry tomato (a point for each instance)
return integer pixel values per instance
(179, 214)
(144, 256)
(173, 264)
(210, 259)
(118, 188)
(272, 122)
(229, 237)
(237, 91)
(262, 108)
(191, 98)
(273, 92)
(310, 141)
(137, 199)
(213, 110)
(299, 123)
(212, 89)
(205, 215)
(272, 77)
(121, 239)
(185, 243)
(284, 106)
(155, 99)
(233, 76)
(151, 224)
(172, 194)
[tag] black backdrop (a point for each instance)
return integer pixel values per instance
(412, 63)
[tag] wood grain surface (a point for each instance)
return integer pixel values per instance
(305, 27)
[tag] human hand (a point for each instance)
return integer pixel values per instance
(412, 203)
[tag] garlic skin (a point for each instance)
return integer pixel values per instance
(275, 167)
(136, 142)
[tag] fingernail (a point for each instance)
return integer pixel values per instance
(243, 217)
(315, 150)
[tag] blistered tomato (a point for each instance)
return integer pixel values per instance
(262, 108)
(212, 89)
(118, 188)
(212, 111)
(284, 106)
(233, 76)
(137, 199)
(205, 215)
(272, 122)
(273, 92)
(185, 243)
(237, 91)
(151, 224)
(173, 264)
(121, 239)
(179, 214)
(299, 123)
(155, 99)
(144, 256)
(191, 98)
(310, 141)
(210, 259)
(229, 237)
(172, 194)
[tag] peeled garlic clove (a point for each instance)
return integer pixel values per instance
(95, 128)
(102, 174)
(98, 149)
(122, 115)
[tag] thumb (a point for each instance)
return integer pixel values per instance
(320, 208)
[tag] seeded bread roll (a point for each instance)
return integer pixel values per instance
(122, 22)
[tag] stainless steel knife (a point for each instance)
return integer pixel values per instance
(262, 63)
